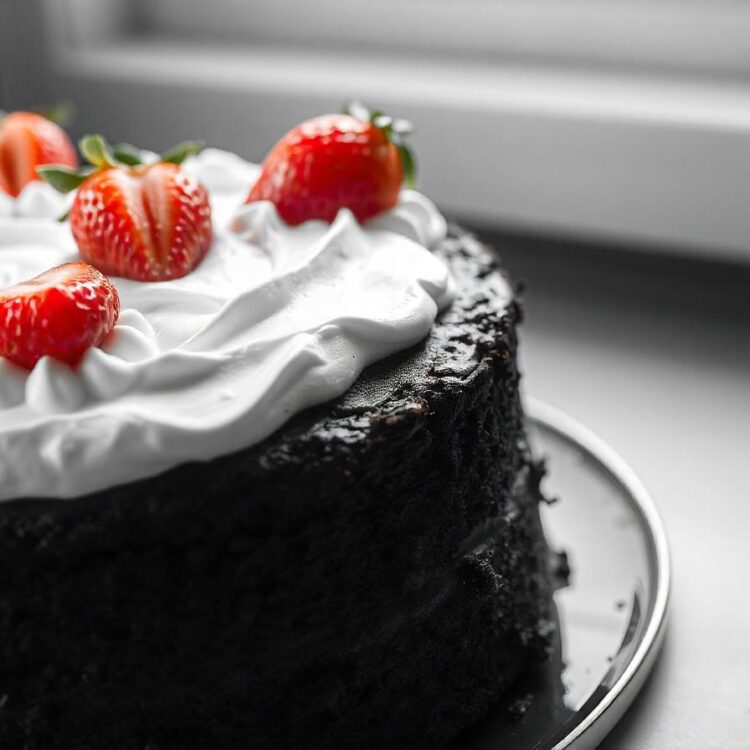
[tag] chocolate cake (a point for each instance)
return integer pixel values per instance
(264, 478)
(373, 574)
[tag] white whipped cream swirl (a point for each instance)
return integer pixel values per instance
(274, 320)
(37, 200)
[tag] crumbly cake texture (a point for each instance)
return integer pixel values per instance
(372, 575)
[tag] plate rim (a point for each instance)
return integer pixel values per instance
(621, 694)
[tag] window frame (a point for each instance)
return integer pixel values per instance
(706, 36)
(650, 156)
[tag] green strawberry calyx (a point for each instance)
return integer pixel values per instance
(61, 113)
(101, 155)
(396, 130)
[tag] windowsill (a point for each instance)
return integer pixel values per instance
(639, 158)
(425, 80)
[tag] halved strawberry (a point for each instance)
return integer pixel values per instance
(61, 313)
(27, 141)
(356, 161)
(149, 222)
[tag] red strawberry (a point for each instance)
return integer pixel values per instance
(27, 141)
(149, 222)
(336, 161)
(61, 313)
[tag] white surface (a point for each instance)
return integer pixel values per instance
(669, 390)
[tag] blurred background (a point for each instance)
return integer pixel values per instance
(617, 119)
(603, 146)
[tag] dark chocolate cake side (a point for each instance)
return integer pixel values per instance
(373, 575)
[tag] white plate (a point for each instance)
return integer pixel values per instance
(613, 611)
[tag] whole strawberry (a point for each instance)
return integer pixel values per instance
(148, 222)
(357, 160)
(29, 140)
(61, 313)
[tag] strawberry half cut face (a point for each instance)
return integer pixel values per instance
(61, 313)
(148, 222)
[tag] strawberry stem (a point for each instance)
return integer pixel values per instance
(396, 131)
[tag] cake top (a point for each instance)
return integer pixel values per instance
(273, 315)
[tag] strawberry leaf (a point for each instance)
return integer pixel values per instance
(60, 113)
(127, 154)
(396, 131)
(402, 127)
(359, 111)
(177, 154)
(382, 121)
(63, 179)
(97, 151)
(408, 165)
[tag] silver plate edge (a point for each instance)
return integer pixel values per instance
(605, 715)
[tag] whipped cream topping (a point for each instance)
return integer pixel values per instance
(37, 200)
(275, 319)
